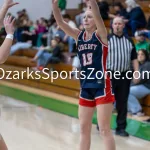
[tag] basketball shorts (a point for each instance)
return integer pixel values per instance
(91, 97)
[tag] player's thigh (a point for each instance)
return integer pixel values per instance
(104, 112)
(86, 107)
(85, 117)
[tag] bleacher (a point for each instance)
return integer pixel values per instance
(70, 87)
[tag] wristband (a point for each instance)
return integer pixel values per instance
(10, 36)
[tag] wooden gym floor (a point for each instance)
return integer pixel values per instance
(28, 127)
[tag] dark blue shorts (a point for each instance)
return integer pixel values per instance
(92, 97)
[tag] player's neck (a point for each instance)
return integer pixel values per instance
(89, 34)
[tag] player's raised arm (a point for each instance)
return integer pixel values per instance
(101, 29)
(5, 47)
(73, 32)
(7, 4)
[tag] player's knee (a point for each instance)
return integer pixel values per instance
(105, 132)
(85, 128)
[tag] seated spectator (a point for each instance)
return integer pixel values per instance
(136, 17)
(142, 89)
(145, 33)
(21, 26)
(41, 29)
(26, 41)
(19, 46)
(30, 34)
(24, 14)
(47, 37)
(104, 9)
(22, 18)
(142, 43)
(60, 43)
(119, 11)
(148, 24)
(47, 54)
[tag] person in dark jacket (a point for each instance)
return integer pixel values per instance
(142, 89)
(104, 9)
(120, 10)
(148, 24)
(136, 17)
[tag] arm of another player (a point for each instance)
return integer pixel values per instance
(7, 4)
(5, 47)
(73, 32)
(101, 29)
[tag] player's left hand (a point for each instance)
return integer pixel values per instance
(9, 3)
(9, 25)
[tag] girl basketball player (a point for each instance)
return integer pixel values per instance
(95, 90)
(5, 47)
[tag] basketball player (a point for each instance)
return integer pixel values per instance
(92, 48)
(5, 47)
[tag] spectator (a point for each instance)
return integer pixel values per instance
(26, 41)
(141, 42)
(47, 37)
(60, 43)
(30, 33)
(47, 54)
(21, 27)
(20, 45)
(119, 11)
(136, 17)
(24, 14)
(148, 24)
(104, 9)
(41, 29)
(145, 33)
(51, 20)
(142, 89)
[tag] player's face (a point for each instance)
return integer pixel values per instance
(88, 20)
(141, 56)
(118, 25)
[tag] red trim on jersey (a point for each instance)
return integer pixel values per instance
(100, 40)
(107, 79)
(79, 33)
(84, 35)
(78, 37)
(84, 102)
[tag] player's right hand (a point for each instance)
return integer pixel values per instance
(9, 25)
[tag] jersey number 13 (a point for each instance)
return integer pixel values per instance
(87, 59)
